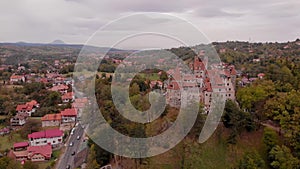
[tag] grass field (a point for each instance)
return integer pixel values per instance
(7, 141)
(2, 117)
(214, 153)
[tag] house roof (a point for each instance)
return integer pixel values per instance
(24, 107)
(78, 105)
(69, 112)
(59, 88)
(68, 95)
(261, 75)
(45, 150)
(46, 134)
(174, 85)
(4, 130)
(17, 154)
(52, 117)
(16, 77)
(32, 103)
(21, 116)
(81, 100)
(21, 145)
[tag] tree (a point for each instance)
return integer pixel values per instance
(52, 99)
(30, 126)
(249, 96)
(9, 163)
(134, 89)
(91, 161)
(236, 119)
(282, 158)
(251, 160)
(270, 138)
(284, 109)
(30, 165)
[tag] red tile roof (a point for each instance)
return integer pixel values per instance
(32, 102)
(24, 107)
(69, 112)
(81, 100)
(51, 117)
(45, 150)
(46, 134)
(16, 77)
(59, 88)
(78, 105)
(68, 95)
(174, 85)
(21, 145)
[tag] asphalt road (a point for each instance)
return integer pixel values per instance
(67, 158)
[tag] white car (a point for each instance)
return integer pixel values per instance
(71, 144)
(72, 131)
(78, 137)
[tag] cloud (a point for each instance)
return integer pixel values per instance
(75, 20)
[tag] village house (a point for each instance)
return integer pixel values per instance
(50, 120)
(4, 131)
(52, 137)
(20, 146)
(59, 81)
(19, 155)
(157, 83)
(29, 107)
(261, 75)
(32, 153)
(68, 97)
(17, 79)
(79, 104)
(19, 119)
(69, 115)
(39, 153)
(60, 88)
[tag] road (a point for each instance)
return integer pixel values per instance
(67, 158)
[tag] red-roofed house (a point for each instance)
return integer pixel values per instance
(80, 103)
(17, 78)
(60, 88)
(69, 115)
(28, 107)
(261, 75)
(33, 103)
(68, 97)
(24, 108)
(174, 94)
(39, 153)
(47, 137)
(4, 131)
(51, 120)
(21, 146)
(18, 155)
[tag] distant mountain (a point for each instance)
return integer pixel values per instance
(58, 42)
(61, 44)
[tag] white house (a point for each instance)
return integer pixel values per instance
(52, 137)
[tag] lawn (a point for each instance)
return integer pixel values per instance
(7, 141)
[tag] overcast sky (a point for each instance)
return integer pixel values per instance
(74, 21)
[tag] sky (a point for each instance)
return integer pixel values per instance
(75, 21)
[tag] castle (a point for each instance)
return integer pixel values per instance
(206, 79)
